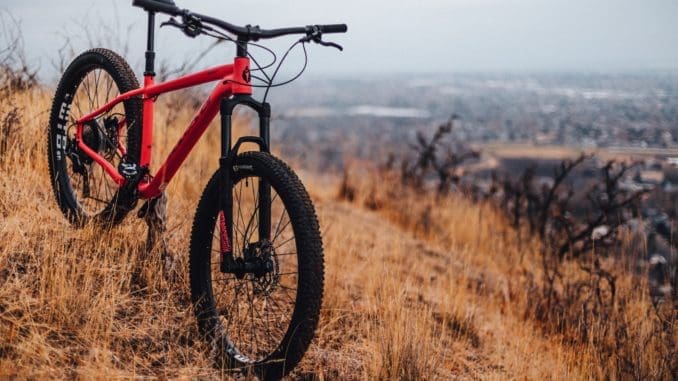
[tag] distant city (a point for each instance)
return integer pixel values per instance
(575, 110)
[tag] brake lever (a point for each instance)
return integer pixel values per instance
(172, 22)
(192, 27)
(330, 44)
(316, 36)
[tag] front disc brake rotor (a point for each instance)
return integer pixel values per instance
(265, 280)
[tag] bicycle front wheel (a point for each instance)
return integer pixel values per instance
(261, 313)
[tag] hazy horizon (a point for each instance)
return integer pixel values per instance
(391, 38)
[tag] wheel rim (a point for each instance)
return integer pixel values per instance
(89, 183)
(256, 311)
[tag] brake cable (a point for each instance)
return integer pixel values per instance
(192, 27)
(269, 81)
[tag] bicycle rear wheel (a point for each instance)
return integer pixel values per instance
(260, 320)
(82, 189)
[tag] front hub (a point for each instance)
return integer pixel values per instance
(259, 260)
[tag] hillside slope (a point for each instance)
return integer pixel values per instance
(407, 308)
(394, 306)
(399, 303)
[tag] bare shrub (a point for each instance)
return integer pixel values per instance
(15, 72)
(8, 130)
(582, 256)
(433, 161)
(586, 290)
(16, 76)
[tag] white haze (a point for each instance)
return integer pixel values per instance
(393, 36)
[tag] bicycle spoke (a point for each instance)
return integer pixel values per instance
(95, 190)
(255, 316)
(108, 87)
(97, 74)
(254, 214)
(98, 200)
(89, 93)
(288, 240)
(281, 230)
(250, 296)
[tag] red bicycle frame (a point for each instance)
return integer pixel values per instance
(234, 79)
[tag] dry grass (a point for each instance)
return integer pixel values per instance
(632, 338)
(420, 289)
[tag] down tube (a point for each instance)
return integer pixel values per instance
(179, 153)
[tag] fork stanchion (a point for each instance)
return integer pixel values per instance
(264, 187)
(226, 185)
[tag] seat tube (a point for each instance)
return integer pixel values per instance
(147, 131)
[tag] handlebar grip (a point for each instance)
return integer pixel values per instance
(163, 6)
(333, 28)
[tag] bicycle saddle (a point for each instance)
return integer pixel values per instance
(155, 5)
(168, 2)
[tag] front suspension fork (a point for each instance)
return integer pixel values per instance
(226, 162)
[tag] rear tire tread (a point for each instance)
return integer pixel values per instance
(125, 80)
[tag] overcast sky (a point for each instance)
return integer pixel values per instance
(396, 36)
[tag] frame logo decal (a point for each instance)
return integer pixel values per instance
(62, 121)
(237, 168)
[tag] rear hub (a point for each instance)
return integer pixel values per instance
(93, 138)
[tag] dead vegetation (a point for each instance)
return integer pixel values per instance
(15, 72)
(578, 260)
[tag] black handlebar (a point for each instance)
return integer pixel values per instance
(247, 33)
(333, 28)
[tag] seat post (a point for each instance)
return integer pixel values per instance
(150, 54)
(148, 102)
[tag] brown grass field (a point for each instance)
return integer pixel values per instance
(423, 288)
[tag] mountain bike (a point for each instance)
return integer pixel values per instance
(256, 256)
